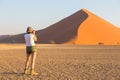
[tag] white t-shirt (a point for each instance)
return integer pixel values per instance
(29, 39)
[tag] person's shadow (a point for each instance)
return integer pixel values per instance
(11, 73)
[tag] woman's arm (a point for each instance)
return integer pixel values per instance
(35, 37)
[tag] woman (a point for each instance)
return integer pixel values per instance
(30, 38)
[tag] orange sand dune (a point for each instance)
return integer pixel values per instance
(95, 30)
(82, 27)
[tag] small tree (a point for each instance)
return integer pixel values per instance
(52, 41)
(100, 43)
(118, 43)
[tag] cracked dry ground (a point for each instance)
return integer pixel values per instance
(63, 63)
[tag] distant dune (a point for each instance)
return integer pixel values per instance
(4, 36)
(19, 38)
(82, 27)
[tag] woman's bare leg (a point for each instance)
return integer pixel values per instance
(33, 59)
(33, 64)
(27, 61)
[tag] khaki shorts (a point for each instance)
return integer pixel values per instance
(31, 49)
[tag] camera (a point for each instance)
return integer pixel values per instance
(33, 31)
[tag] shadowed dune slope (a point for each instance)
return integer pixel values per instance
(64, 30)
(60, 32)
(4, 36)
(19, 38)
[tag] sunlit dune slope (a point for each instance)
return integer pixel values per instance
(95, 30)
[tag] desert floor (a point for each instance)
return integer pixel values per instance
(62, 62)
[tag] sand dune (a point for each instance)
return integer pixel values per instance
(58, 33)
(64, 30)
(95, 30)
(82, 27)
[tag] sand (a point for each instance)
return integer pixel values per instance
(62, 62)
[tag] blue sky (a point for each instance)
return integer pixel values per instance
(16, 15)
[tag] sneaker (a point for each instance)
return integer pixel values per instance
(26, 71)
(33, 72)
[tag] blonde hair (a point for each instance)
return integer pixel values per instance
(29, 30)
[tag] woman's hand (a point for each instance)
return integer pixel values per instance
(34, 32)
